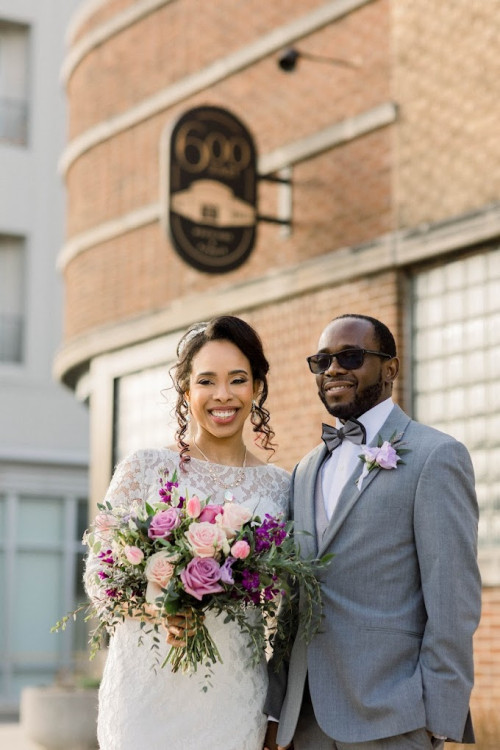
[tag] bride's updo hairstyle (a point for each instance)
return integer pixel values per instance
(242, 335)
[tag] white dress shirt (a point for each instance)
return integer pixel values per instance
(337, 469)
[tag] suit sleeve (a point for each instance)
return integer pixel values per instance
(445, 523)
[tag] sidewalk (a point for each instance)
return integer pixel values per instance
(12, 738)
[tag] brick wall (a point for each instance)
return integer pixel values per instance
(446, 69)
(341, 197)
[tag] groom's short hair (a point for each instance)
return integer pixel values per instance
(386, 342)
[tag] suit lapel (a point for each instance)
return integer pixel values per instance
(304, 490)
(395, 424)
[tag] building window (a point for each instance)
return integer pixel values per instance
(14, 45)
(12, 295)
(457, 370)
(41, 555)
(144, 402)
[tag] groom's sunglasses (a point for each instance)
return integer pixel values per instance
(348, 359)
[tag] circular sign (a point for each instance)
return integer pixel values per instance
(212, 195)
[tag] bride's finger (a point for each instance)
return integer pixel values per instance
(175, 642)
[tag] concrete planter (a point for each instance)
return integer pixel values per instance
(60, 718)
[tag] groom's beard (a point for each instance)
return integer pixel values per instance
(363, 401)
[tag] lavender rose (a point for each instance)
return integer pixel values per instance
(387, 457)
(201, 576)
(163, 523)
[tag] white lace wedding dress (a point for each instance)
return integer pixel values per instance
(140, 708)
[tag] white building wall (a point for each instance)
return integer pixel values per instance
(37, 415)
(43, 429)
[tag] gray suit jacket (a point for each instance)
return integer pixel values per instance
(401, 596)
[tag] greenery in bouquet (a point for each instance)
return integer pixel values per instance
(185, 556)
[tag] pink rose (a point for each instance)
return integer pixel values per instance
(232, 518)
(240, 549)
(159, 570)
(201, 576)
(163, 523)
(209, 513)
(193, 506)
(206, 539)
(104, 524)
(133, 554)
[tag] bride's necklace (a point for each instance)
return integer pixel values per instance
(216, 476)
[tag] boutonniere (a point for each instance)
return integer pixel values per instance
(386, 455)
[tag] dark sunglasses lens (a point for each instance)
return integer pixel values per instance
(350, 359)
(318, 363)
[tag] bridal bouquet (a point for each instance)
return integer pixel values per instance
(183, 555)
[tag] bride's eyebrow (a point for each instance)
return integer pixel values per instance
(213, 374)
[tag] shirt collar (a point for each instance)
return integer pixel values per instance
(373, 419)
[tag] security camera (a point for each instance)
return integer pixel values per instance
(288, 60)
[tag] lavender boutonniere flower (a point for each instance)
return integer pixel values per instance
(386, 455)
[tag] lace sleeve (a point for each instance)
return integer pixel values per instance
(125, 489)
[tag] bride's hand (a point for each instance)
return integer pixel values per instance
(270, 738)
(179, 628)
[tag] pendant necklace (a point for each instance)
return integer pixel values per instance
(216, 476)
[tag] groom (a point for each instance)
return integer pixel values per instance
(392, 667)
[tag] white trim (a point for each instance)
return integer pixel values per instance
(282, 158)
(109, 230)
(209, 76)
(81, 16)
(105, 31)
(334, 135)
(394, 250)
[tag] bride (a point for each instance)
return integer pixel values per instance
(221, 382)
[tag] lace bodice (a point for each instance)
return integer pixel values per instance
(164, 711)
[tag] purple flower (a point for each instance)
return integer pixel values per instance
(166, 488)
(226, 571)
(163, 523)
(165, 496)
(271, 530)
(102, 575)
(269, 593)
(254, 597)
(384, 456)
(106, 557)
(387, 457)
(112, 593)
(250, 581)
(201, 576)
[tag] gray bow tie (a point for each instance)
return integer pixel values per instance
(352, 430)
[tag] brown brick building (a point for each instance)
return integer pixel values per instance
(385, 138)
